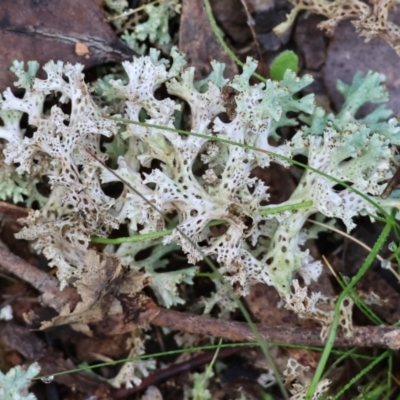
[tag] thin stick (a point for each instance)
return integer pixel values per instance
(330, 268)
(250, 23)
(12, 211)
(166, 373)
(366, 336)
(42, 281)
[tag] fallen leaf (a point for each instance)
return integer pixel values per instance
(267, 14)
(56, 30)
(310, 42)
(99, 278)
(198, 41)
(103, 286)
(138, 309)
(89, 348)
(348, 54)
(98, 286)
(33, 349)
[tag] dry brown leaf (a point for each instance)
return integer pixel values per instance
(78, 321)
(98, 286)
(198, 41)
(66, 30)
(231, 17)
(89, 348)
(310, 42)
(348, 54)
(138, 309)
(99, 278)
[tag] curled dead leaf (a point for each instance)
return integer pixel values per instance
(103, 280)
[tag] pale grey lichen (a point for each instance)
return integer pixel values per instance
(255, 246)
(15, 383)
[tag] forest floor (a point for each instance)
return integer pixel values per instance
(80, 32)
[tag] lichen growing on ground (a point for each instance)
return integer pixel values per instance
(196, 178)
(371, 20)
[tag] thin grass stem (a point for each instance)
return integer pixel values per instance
(335, 323)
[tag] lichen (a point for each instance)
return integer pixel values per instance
(14, 385)
(371, 20)
(195, 178)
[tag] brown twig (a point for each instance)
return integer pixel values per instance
(250, 23)
(393, 183)
(366, 336)
(13, 211)
(40, 280)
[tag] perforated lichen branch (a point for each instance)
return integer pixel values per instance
(335, 11)
(195, 178)
(370, 20)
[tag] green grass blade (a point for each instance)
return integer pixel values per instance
(335, 323)
(157, 235)
(361, 374)
(218, 35)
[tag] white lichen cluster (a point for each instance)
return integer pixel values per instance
(14, 385)
(132, 372)
(297, 381)
(149, 22)
(195, 178)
